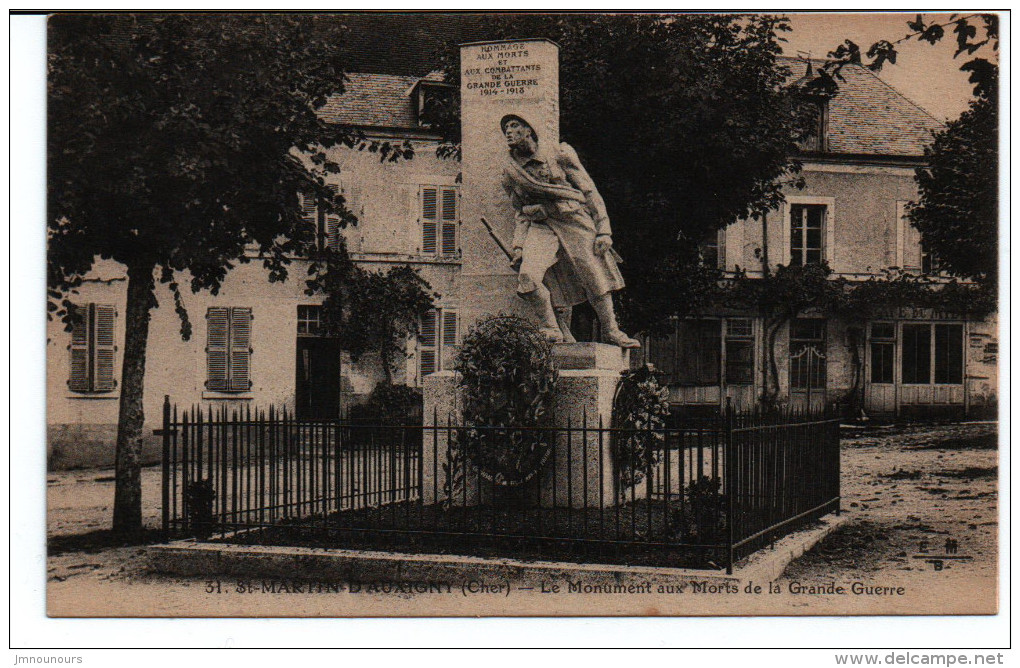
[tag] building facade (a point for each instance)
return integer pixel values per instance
(258, 343)
(852, 214)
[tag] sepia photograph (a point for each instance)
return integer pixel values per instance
(460, 314)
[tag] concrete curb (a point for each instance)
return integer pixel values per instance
(191, 558)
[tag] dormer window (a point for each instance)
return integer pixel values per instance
(815, 89)
(427, 95)
(816, 141)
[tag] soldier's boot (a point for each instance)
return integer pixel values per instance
(611, 332)
(541, 305)
(564, 315)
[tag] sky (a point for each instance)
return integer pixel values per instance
(926, 74)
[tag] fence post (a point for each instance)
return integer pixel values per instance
(731, 487)
(166, 467)
(834, 436)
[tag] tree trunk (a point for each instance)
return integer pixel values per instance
(771, 390)
(127, 501)
(384, 358)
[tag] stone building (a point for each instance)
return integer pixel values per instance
(256, 343)
(859, 173)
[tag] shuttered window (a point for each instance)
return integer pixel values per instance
(327, 225)
(228, 349)
(450, 218)
(92, 349)
(428, 345)
(662, 351)
(439, 218)
(436, 340)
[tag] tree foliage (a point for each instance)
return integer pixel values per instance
(684, 121)
(177, 142)
(972, 33)
(369, 311)
(958, 209)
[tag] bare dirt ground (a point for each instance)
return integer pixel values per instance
(905, 490)
(908, 490)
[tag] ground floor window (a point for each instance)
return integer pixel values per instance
(739, 351)
(309, 320)
(916, 366)
(807, 354)
(932, 353)
(705, 352)
(92, 348)
(698, 352)
(436, 340)
(228, 349)
(883, 351)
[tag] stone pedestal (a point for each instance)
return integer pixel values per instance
(580, 471)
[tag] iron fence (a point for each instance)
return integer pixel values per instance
(706, 494)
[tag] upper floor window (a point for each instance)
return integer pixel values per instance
(228, 349)
(807, 233)
(713, 249)
(439, 216)
(92, 348)
(327, 225)
(910, 252)
(431, 98)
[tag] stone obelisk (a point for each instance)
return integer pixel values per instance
(498, 78)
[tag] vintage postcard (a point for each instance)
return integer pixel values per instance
(467, 314)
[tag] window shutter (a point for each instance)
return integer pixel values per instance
(216, 347)
(722, 249)
(449, 328)
(912, 256)
(429, 219)
(450, 218)
(332, 222)
(662, 353)
(427, 344)
(79, 380)
(240, 349)
(103, 319)
(308, 209)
